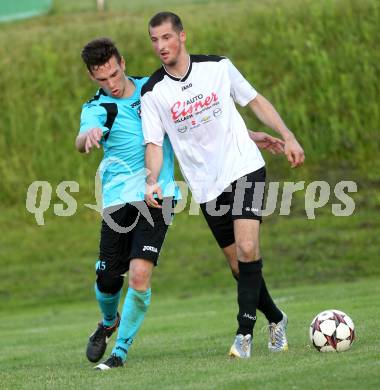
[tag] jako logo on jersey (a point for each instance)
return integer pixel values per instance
(246, 315)
(192, 105)
(150, 248)
(187, 86)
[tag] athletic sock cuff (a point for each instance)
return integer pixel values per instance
(104, 296)
(252, 266)
(141, 293)
(144, 296)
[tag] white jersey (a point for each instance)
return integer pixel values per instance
(208, 135)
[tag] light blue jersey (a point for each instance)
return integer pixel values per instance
(122, 170)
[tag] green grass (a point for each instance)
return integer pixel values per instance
(56, 261)
(317, 61)
(72, 6)
(184, 343)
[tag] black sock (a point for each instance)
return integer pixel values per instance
(249, 285)
(267, 306)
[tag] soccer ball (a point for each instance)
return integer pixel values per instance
(332, 330)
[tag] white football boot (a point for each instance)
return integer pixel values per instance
(241, 348)
(277, 335)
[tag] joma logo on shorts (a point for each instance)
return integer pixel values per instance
(253, 209)
(150, 248)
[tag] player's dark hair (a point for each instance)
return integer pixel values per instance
(163, 17)
(98, 51)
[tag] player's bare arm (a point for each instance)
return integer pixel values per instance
(86, 141)
(153, 163)
(267, 142)
(267, 114)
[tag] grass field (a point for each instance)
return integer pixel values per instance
(319, 63)
(184, 343)
(56, 261)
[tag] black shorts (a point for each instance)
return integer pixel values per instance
(243, 199)
(126, 233)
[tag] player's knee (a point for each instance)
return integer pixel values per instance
(139, 278)
(247, 250)
(109, 283)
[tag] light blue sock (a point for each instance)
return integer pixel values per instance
(135, 306)
(108, 304)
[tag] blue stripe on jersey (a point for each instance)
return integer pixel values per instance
(122, 169)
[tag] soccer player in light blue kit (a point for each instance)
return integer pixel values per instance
(131, 233)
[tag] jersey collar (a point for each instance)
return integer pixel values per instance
(185, 76)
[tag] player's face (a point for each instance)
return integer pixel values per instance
(167, 43)
(111, 77)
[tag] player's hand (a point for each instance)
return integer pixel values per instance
(93, 137)
(151, 189)
(294, 152)
(267, 142)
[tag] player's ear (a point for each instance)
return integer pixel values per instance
(122, 63)
(182, 36)
(91, 75)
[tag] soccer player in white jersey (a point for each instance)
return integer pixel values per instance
(191, 98)
(128, 241)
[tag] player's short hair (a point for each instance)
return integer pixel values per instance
(163, 17)
(99, 51)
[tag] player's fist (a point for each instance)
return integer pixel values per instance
(151, 189)
(294, 152)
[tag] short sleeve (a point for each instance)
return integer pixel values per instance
(151, 122)
(241, 90)
(92, 116)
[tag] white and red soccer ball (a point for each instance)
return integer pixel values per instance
(332, 330)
